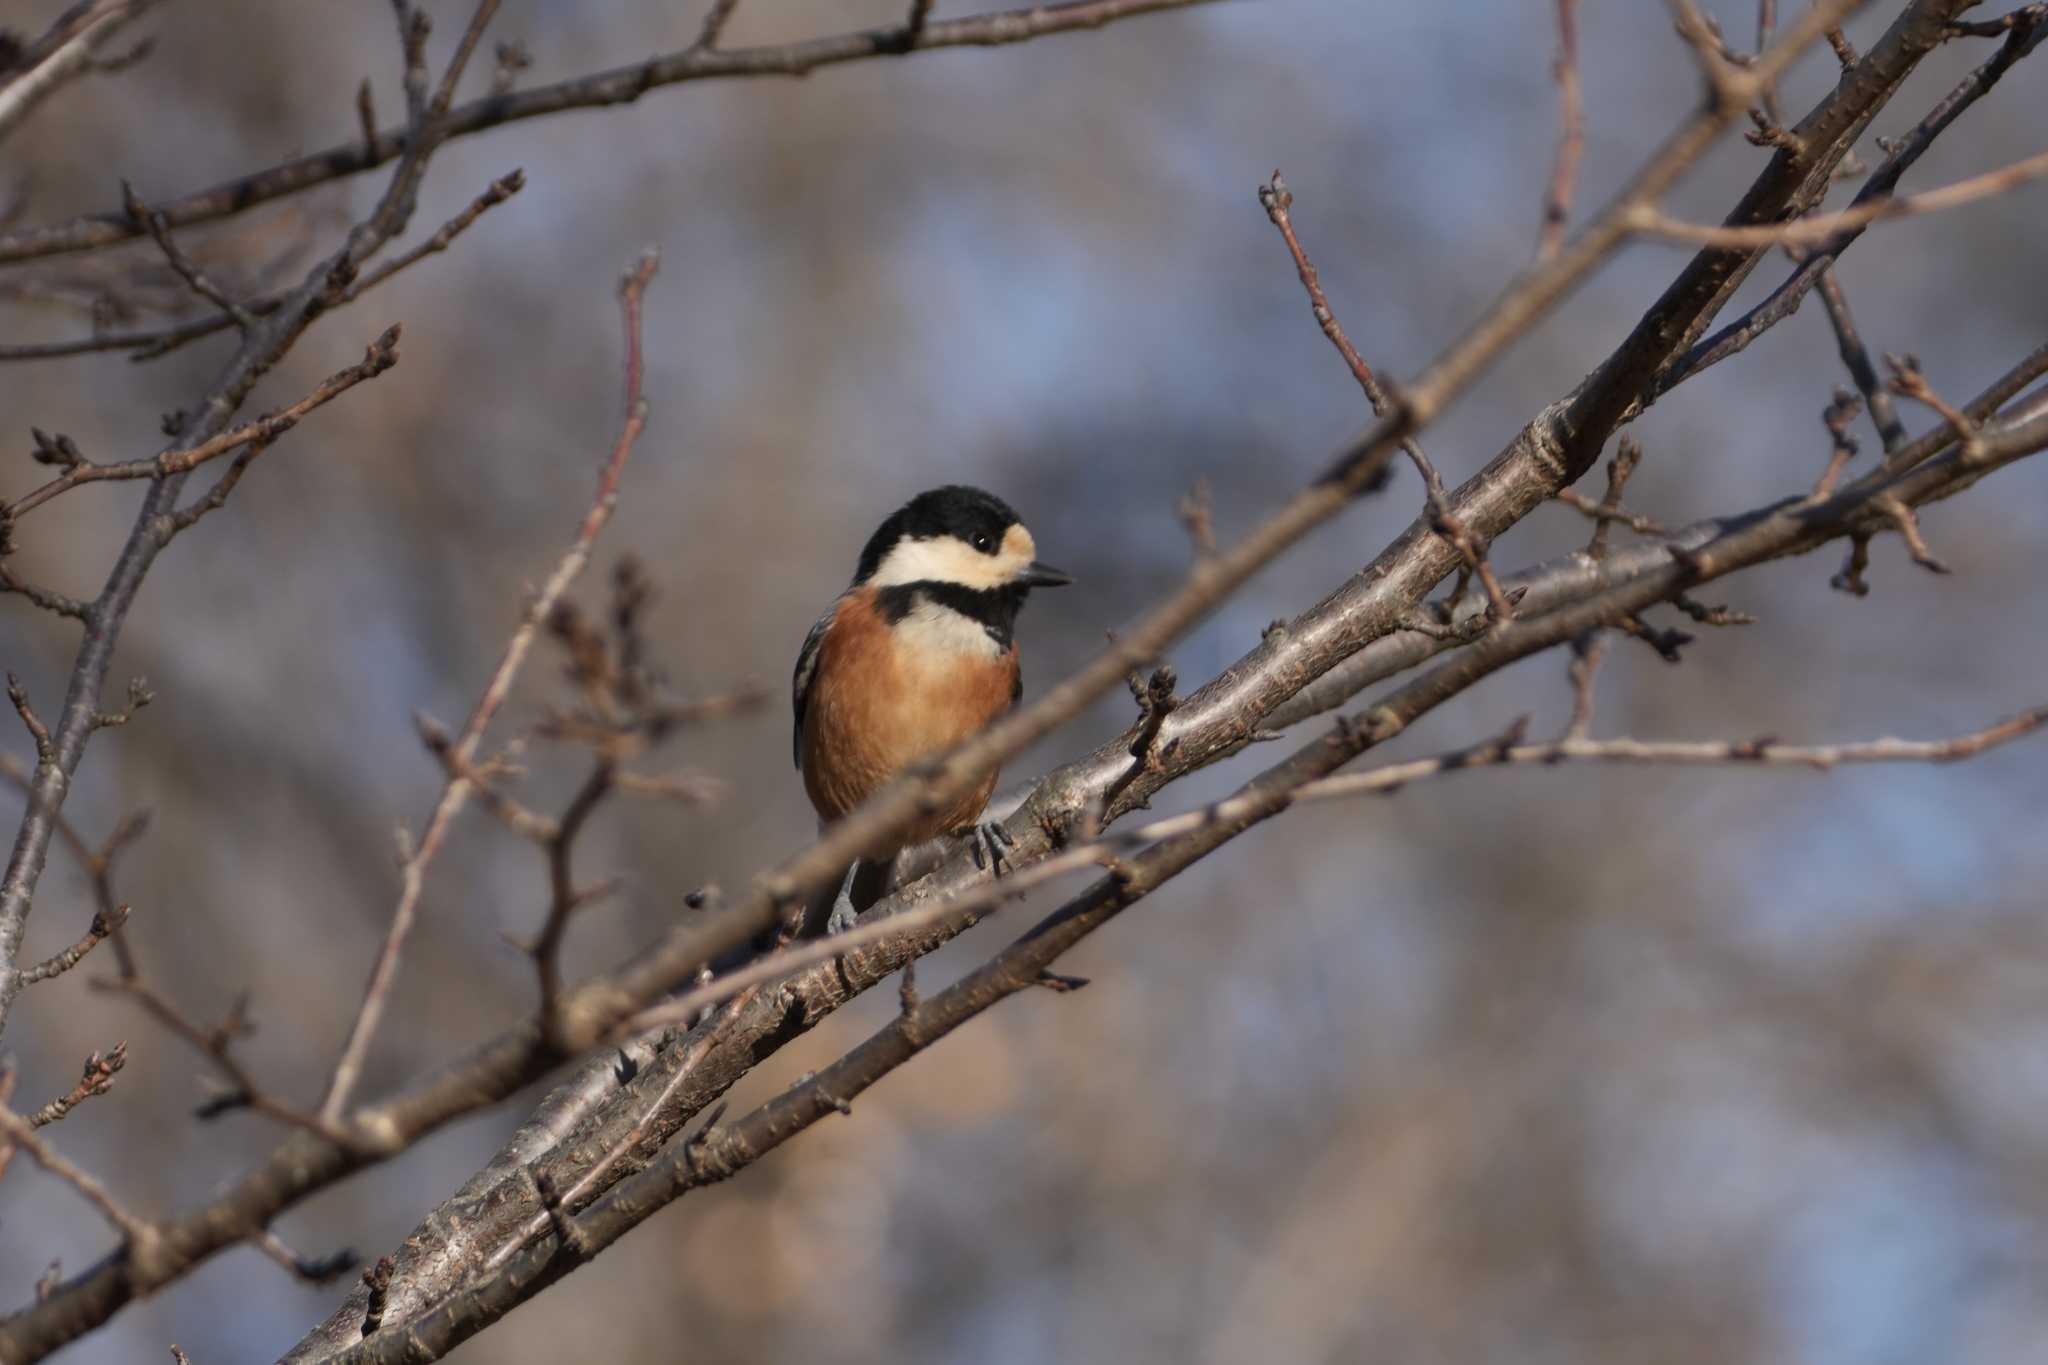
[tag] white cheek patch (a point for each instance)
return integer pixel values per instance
(933, 632)
(943, 559)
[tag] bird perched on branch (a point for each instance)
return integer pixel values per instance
(917, 654)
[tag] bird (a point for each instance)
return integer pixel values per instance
(918, 654)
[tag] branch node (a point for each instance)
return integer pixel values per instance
(97, 1078)
(571, 1240)
(1058, 984)
(58, 450)
(1907, 521)
(37, 731)
(377, 1279)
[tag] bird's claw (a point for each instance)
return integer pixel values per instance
(844, 915)
(842, 918)
(990, 844)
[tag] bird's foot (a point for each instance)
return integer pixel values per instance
(990, 844)
(844, 915)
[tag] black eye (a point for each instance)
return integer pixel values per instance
(984, 542)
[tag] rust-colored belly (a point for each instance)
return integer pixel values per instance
(874, 709)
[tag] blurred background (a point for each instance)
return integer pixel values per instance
(1557, 1065)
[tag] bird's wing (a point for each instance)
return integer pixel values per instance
(806, 672)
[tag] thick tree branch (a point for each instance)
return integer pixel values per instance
(1281, 671)
(67, 51)
(721, 1150)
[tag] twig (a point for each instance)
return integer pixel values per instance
(1856, 357)
(54, 602)
(380, 356)
(97, 1079)
(618, 86)
(1277, 200)
(38, 732)
(140, 1236)
(1155, 703)
(1587, 652)
(150, 344)
(1908, 524)
(1766, 25)
(68, 50)
(1627, 455)
(1022, 966)
(1363, 617)
(2024, 16)
(564, 898)
(1840, 414)
(1635, 521)
(1571, 138)
(465, 47)
(1647, 219)
(378, 1280)
(1910, 381)
(312, 1270)
(366, 112)
(103, 927)
(915, 25)
(1766, 752)
(457, 790)
(1785, 299)
(1598, 407)
(715, 20)
(186, 269)
(1715, 59)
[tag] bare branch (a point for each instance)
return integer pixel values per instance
(141, 1237)
(190, 273)
(1785, 299)
(715, 20)
(1648, 219)
(455, 794)
(724, 1150)
(1571, 138)
(1857, 358)
(152, 530)
(320, 1270)
(103, 927)
(150, 344)
(621, 85)
(67, 51)
(381, 355)
(98, 1079)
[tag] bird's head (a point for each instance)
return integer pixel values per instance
(959, 536)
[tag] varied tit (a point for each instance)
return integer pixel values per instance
(919, 653)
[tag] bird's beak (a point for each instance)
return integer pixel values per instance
(1043, 576)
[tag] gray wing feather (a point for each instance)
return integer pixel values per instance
(800, 685)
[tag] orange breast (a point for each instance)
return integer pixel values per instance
(875, 708)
